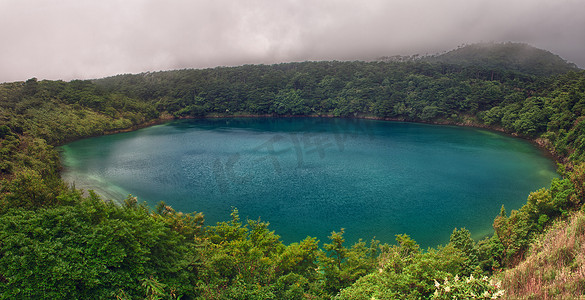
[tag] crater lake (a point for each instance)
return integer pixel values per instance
(311, 176)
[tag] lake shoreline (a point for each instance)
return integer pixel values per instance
(542, 144)
(215, 181)
(469, 121)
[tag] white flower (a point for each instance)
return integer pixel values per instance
(447, 289)
(456, 278)
(498, 294)
(498, 284)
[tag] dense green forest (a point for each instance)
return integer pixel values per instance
(56, 242)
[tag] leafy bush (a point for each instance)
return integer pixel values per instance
(468, 288)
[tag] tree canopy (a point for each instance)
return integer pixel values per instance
(56, 242)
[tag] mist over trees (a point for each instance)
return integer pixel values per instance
(57, 242)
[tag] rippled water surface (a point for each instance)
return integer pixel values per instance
(309, 176)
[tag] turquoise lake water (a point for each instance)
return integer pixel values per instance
(311, 176)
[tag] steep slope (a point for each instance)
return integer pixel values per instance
(555, 269)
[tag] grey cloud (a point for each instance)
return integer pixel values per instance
(70, 39)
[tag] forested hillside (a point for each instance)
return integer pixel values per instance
(57, 243)
(507, 56)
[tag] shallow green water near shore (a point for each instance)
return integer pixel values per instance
(310, 176)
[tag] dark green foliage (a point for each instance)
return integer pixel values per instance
(490, 253)
(342, 266)
(507, 56)
(30, 170)
(247, 261)
(416, 91)
(87, 249)
(57, 111)
(5, 132)
(56, 243)
(461, 240)
(188, 225)
(404, 272)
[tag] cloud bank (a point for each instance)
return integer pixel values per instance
(70, 39)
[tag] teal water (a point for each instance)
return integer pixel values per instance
(311, 176)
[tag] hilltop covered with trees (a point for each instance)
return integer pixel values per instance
(57, 243)
(507, 56)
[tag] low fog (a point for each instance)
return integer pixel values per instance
(73, 39)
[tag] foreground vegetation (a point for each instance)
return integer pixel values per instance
(555, 269)
(57, 243)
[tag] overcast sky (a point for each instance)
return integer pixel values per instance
(82, 39)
